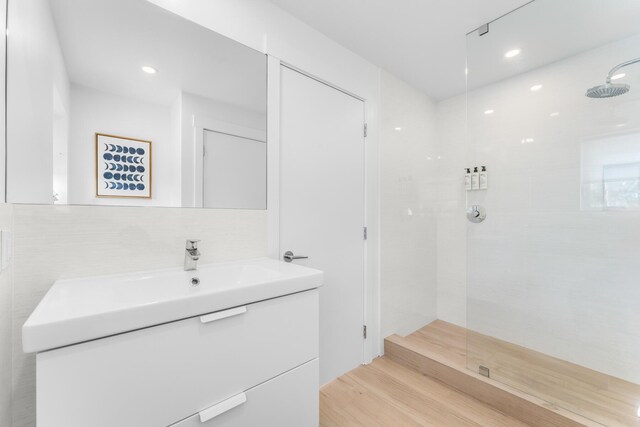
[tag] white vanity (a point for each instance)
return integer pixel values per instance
(239, 348)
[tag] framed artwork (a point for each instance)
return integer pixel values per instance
(123, 167)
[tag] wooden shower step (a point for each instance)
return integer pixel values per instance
(439, 350)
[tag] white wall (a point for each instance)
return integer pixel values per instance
(6, 284)
(94, 111)
(60, 136)
(451, 221)
(3, 76)
(6, 327)
(408, 172)
(35, 67)
(544, 270)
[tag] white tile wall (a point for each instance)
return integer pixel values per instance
(408, 194)
(544, 271)
(451, 220)
(53, 242)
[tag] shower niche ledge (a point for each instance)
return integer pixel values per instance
(227, 352)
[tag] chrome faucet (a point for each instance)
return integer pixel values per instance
(191, 255)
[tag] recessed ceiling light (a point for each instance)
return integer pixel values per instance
(618, 76)
(554, 114)
(149, 70)
(536, 88)
(512, 53)
(398, 129)
(489, 112)
(621, 125)
(527, 140)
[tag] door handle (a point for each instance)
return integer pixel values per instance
(289, 256)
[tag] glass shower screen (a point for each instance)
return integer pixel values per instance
(553, 288)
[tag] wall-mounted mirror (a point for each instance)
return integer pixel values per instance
(120, 102)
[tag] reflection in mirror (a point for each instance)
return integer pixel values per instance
(120, 102)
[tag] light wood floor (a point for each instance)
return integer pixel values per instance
(607, 400)
(387, 394)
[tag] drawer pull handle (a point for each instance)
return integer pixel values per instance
(222, 314)
(222, 407)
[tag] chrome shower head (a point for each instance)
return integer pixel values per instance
(608, 90)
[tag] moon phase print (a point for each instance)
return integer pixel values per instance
(123, 167)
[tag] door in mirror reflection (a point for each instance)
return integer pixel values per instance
(77, 69)
(235, 168)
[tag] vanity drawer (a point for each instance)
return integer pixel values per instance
(288, 400)
(155, 376)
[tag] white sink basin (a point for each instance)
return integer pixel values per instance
(77, 310)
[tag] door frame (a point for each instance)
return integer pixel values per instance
(202, 124)
(373, 346)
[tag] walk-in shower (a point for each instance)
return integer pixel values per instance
(553, 295)
(610, 90)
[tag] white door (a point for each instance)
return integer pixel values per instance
(322, 208)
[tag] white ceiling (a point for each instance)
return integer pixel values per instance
(548, 31)
(424, 41)
(420, 41)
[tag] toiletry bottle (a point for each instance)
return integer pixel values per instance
(475, 179)
(484, 184)
(467, 179)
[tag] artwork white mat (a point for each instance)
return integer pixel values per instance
(123, 167)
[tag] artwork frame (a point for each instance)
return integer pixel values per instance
(120, 174)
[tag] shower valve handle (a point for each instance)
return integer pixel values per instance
(476, 214)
